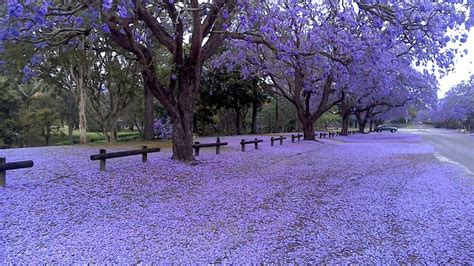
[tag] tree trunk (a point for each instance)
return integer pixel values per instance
(469, 124)
(183, 138)
(243, 118)
(269, 123)
(345, 124)
(361, 122)
(371, 125)
(308, 129)
(277, 118)
(149, 112)
(70, 128)
(113, 136)
(254, 117)
(47, 138)
(107, 136)
(188, 83)
(82, 112)
(80, 78)
(238, 117)
(113, 132)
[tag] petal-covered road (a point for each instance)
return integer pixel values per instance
(380, 198)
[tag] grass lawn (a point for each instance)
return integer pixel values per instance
(93, 137)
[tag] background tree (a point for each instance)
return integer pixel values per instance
(229, 91)
(308, 49)
(9, 109)
(112, 88)
(188, 30)
(456, 106)
(40, 118)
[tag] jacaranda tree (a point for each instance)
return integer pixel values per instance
(190, 31)
(303, 48)
(457, 105)
(312, 51)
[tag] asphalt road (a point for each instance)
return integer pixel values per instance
(451, 146)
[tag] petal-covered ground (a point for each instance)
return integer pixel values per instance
(378, 198)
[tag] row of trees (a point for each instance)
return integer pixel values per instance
(227, 104)
(71, 87)
(319, 55)
(456, 109)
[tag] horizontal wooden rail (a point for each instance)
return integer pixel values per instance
(4, 167)
(255, 142)
(15, 165)
(197, 146)
(103, 155)
(207, 145)
(293, 137)
(119, 154)
(281, 138)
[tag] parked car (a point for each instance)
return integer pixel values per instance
(381, 128)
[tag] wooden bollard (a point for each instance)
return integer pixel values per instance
(3, 174)
(256, 144)
(4, 167)
(102, 161)
(271, 141)
(293, 138)
(242, 145)
(196, 149)
(218, 147)
(144, 156)
(281, 140)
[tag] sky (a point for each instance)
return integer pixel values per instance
(463, 68)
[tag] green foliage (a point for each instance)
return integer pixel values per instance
(47, 120)
(9, 107)
(14, 58)
(112, 90)
(39, 119)
(328, 119)
(226, 91)
(286, 121)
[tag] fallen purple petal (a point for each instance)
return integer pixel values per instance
(378, 198)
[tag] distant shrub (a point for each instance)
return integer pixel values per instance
(163, 128)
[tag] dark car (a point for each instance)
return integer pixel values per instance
(385, 128)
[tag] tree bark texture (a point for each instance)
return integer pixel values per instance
(149, 112)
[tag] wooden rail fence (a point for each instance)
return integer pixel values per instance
(103, 155)
(4, 167)
(281, 138)
(293, 137)
(245, 142)
(218, 144)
